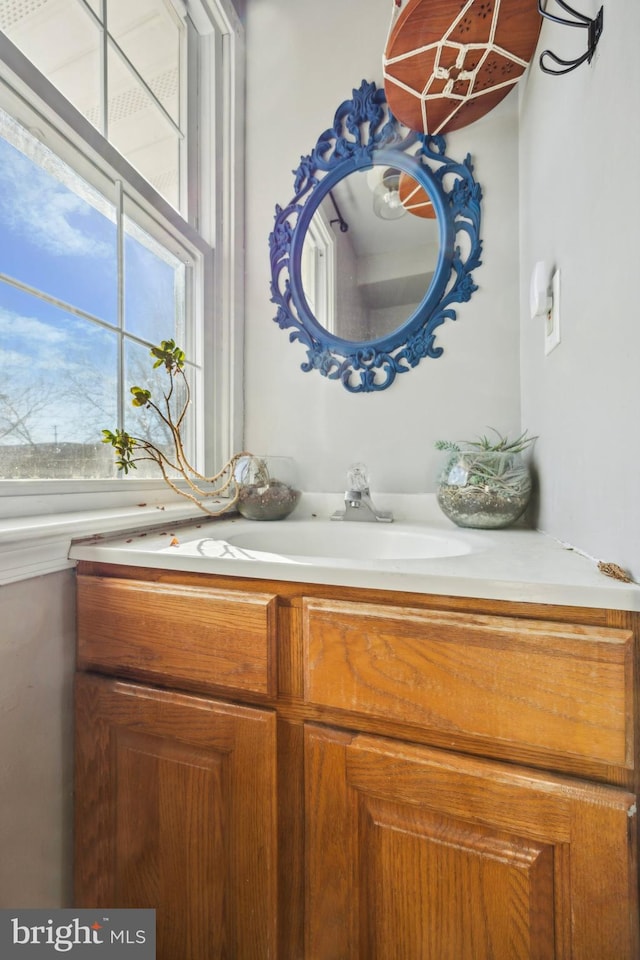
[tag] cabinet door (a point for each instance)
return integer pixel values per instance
(420, 854)
(176, 810)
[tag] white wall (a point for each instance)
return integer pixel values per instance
(303, 60)
(36, 740)
(580, 211)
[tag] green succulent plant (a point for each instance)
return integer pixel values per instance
(484, 482)
(486, 459)
(499, 445)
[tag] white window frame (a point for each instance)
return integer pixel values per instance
(221, 216)
(319, 269)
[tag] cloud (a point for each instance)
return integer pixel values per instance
(34, 204)
(12, 359)
(18, 327)
(28, 344)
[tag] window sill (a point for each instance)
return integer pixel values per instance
(35, 546)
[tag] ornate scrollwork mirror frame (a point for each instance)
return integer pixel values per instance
(365, 132)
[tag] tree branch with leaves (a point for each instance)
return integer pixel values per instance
(173, 464)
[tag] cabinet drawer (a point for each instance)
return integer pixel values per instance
(180, 633)
(560, 688)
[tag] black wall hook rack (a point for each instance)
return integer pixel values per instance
(594, 26)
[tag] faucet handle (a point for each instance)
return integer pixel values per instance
(357, 499)
(358, 477)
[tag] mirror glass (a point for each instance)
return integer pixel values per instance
(369, 253)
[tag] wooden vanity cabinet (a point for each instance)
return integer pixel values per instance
(176, 811)
(176, 793)
(305, 772)
(413, 852)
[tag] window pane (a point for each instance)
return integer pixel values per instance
(138, 129)
(59, 390)
(154, 283)
(58, 234)
(148, 32)
(63, 41)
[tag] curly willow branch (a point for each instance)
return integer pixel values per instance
(198, 492)
(200, 487)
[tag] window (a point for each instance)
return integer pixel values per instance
(107, 223)
(318, 269)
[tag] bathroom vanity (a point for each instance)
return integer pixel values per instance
(318, 765)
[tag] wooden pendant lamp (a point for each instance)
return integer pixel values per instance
(448, 62)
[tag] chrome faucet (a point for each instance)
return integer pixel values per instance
(357, 499)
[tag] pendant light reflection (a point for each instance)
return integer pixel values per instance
(387, 204)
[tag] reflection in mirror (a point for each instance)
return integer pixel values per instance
(415, 198)
(363, 282)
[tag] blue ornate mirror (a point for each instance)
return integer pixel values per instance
(376, 245)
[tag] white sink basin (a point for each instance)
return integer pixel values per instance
(331, 540)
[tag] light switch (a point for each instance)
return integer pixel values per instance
(552, 320)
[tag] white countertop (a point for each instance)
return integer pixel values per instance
(514, 564)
